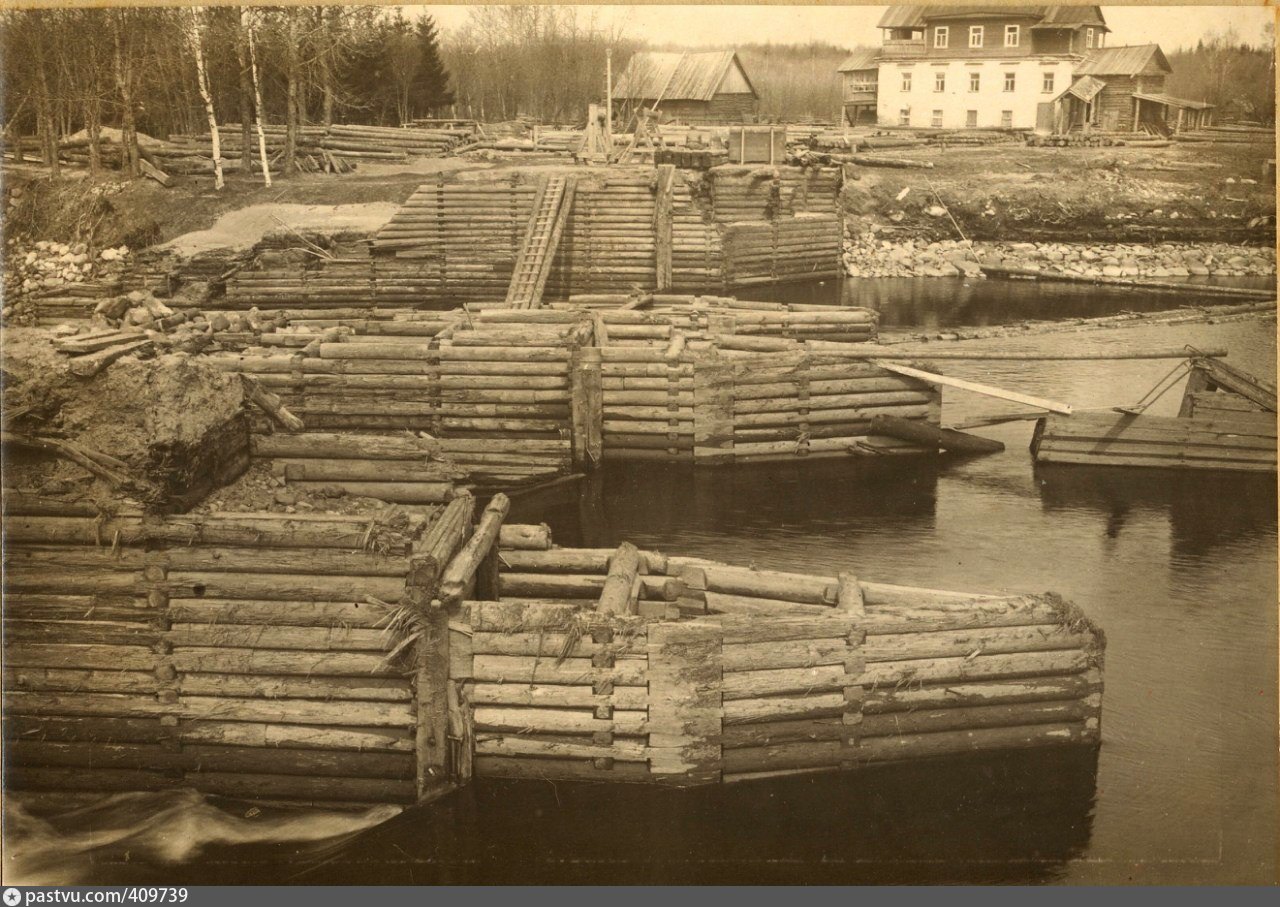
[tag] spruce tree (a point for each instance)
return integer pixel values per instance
(430, 89)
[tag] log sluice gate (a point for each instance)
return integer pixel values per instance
(344, 660)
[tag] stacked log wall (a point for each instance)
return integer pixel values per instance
(245, 655)
(726, 674)
(719, 383)
(466, 237)
(495, 404)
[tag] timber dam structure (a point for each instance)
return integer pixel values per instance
(290, 577)
(339, 660)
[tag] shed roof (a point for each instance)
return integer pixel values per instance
(677, 76)
(1171, 101)
(1085, 88)
(1047, 16)
(862, 58)
(1124, 60)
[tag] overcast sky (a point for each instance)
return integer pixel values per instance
(1169, 26)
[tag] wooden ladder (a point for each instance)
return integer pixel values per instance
(541, 238)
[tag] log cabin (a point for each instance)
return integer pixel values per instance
(702, 88)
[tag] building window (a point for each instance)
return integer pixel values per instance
(1088, 37)
(906, 81)
(904, 116)
(971, 118)
(939, 81)
(975, 81)
(941, 35)
(937, 119)
(1010, 81)
(1047, 88)
(975, 35)
(1012, 34)
(1006, 119)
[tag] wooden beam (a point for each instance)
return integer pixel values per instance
(974, 387)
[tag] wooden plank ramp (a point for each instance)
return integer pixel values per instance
(541, 239)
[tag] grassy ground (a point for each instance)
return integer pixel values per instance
(1012, 192)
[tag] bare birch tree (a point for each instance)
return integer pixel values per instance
(246, 21)
(193, 35)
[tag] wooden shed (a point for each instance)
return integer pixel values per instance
(1132, 97)
(709, 87)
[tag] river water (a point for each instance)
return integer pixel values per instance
(1180, 571)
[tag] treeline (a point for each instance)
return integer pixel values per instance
(70, 74)
(164, 71)
(543, 62)
(795, 81)
(1238, 79)
(548, 63)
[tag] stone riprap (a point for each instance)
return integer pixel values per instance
(868, 255)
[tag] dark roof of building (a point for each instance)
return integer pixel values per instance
(1047, 16)
(862, 58)
(677, 76)
(1085, 88)
(1126, 60)
(1171, 101)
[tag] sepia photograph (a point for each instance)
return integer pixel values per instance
(612, 445)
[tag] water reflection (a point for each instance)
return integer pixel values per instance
(1206, 510)
(930, 303)
(652, 503)
(1020, 818)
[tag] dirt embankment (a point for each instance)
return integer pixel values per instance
(171, 421)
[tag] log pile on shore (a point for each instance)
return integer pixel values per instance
(696, 672)
(344, 143)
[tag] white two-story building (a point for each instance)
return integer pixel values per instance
(1011, 67)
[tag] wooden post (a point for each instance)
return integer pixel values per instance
(713, 411)
(431, 677)
(850, 599)
(686, 710)
(462, 569)
(608, 100)
(586, 397)
(662, 226)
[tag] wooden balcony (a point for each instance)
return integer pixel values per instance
(901, 48)
(862, 96)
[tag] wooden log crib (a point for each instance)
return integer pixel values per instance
(347, 660)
